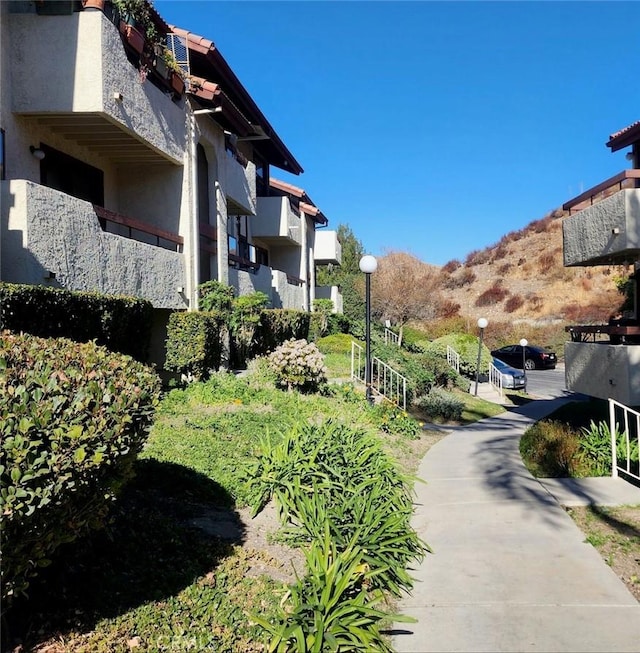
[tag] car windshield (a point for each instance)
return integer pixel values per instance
(499, 364)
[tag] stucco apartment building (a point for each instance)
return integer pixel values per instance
(604, 229)
(120, 176)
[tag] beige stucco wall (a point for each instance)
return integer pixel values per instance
(75, 64)
(604, 371)
(611, 227)
(45, 230)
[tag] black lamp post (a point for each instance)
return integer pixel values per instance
(523, 344)
(368, 265)
(482, 325)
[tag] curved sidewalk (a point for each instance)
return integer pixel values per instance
(510, 570)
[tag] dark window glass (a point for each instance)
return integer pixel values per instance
(72, 176)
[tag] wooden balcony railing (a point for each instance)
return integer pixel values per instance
(624, 179)
(294, 281)
(616, 333)
(160, 237)
(243, 263)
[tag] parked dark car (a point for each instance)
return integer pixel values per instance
(510, 377)
(535, 358)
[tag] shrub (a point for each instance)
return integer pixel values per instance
(216, 296)
(491, 296)
(122, 324)
(245, 319)
(395, 421)
(195, 343)
(72, 419)
(546, 261)
(451, 266)
(513, 303)
(441, 405)
(338, 343)
(551, 449)
(277, 325)
(298, 364)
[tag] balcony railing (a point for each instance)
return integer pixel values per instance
(624, 179)
(136, 230)
(615, 333)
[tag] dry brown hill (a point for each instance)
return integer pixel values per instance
(522, 279)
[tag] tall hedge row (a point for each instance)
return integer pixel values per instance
(73, 416)
(277, 325)
(196, 342)
(121, 324)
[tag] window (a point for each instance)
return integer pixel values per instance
(72, 176)
(262, 176)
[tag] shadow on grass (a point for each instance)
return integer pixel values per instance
(149, 551)
(624, 528)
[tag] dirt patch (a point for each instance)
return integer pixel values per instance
(615, 533)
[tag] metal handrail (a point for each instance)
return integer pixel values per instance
(391, 337)
(385, 381)
(453, 358)
(630, 418)
(495, 378)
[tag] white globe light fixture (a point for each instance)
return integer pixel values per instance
(483, 323)
(368, 264)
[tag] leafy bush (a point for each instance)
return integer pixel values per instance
(122, 324)
(441, 405)
(330, 476)
(195, 343)
(595, 449)
(395, 421)
(277, 325)
(551, 449)
(72, 419)
(245, 319)
(216, 296)
(298, 364)
(338, 343)
(513, 303)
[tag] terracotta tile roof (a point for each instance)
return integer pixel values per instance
(209, 64)
(306, 204)
(625, 137)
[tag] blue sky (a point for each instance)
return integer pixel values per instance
(434, 127)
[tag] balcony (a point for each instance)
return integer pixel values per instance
(606, 228)
(327, 248)
(603, 370)
(276, 222)
(45, 231)
(88, 92)
(287, 290)
(240, 187)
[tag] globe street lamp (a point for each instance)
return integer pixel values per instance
(482, 325)
(368, 265)
(523, 343)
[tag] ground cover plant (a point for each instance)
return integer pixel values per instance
(158, 578)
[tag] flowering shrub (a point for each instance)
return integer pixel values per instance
(395, 421)
(298, 364)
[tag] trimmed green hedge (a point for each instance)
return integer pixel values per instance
(72, 419)
(195, 342)
(277, 325)
(121, 324)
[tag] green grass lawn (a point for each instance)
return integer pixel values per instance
(152, 581)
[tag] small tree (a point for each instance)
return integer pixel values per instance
(215, 296)
(323, 308)
(245, 319)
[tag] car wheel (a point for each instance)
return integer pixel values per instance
(529, 364)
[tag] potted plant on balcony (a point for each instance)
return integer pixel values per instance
(135, 22)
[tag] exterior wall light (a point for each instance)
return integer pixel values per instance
(37, 152)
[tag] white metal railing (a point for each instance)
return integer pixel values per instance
(628, 443)
(384, 379)
(495, 378)
(453, 358)
(390, 337)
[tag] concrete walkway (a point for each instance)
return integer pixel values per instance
(510, 569)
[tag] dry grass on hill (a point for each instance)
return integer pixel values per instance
(522, 279)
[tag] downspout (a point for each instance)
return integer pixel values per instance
(194, 236)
